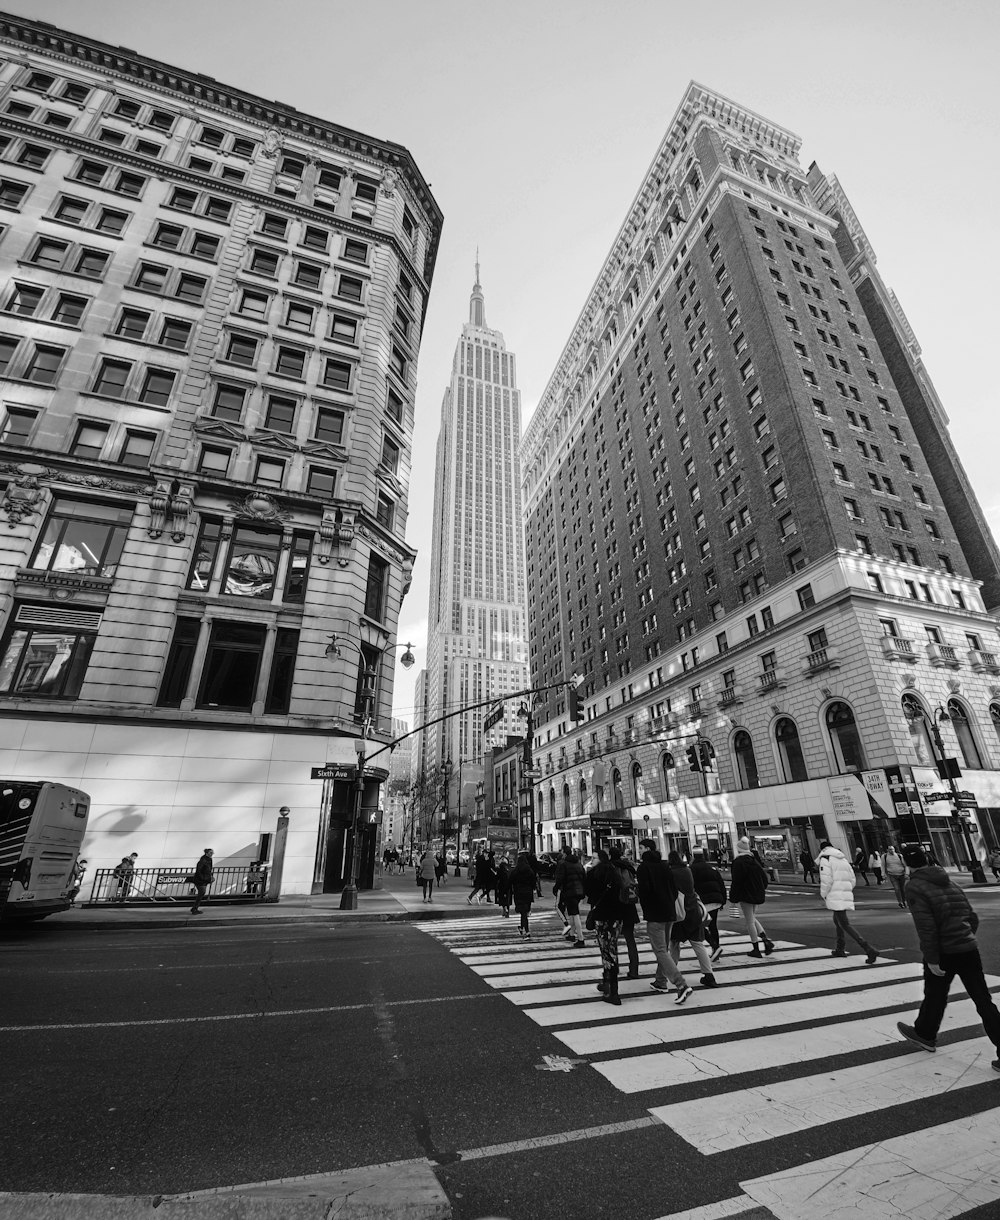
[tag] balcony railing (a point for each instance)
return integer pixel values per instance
(729, 696)
(943, 656)
(769, 680)
(820, 659)
(896, 648)
(983, 662)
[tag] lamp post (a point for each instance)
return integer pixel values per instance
(528, 777)
(458, 817)
(370, 656)
(945, 770)
(445, 769)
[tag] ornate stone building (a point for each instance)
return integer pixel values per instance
(747, 527)
(210, 315)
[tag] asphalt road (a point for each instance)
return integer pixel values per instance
(162, 1061)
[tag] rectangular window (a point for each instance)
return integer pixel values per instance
(17, 426)
(263, 262)
(390, 455)
(253, 562)
(24, 300)
(351, 288)
(308, 275)
(137, 449)
(168, 237)
(44, 656)
(156, 387)
(129, 184)
(12, 193)
(290, 362)
(232, 666)
(269, 472)
(298, 568)
(228, 404)
(69, 309)
(344, 328)
(190, 287)
(280, 415)
(150, 277)
(175, 334)
(204, 245)
(329, 426)
(384, 511)
(48, 253)
(109, 220)
(89, 440)
(91, 263)
(82, 537)
(43, 367)
(132, 323)
(805, 596)
(376, 588)
(355, 251)
(321, 482)
(112, 377)
(299, 317)
(253, 304)
(205, 553)
(180, 659)
(214, 461)
(337, 375)
(242, 349)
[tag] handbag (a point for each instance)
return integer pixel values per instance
(680, 909)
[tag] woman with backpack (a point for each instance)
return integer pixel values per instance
(692, 929)
(607, 910)
(525, 886)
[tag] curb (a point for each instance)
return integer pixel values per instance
(403, 1191)
(257, 921)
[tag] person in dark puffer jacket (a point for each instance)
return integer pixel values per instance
(711, 889)
(946, 925)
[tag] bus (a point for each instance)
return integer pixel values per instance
(41, 830)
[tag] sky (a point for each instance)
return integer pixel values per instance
(535, 121)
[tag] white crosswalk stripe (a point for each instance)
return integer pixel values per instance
(801, 1010)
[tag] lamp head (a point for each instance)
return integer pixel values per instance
(407, 660)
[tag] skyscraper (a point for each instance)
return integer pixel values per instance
(747, 526)
(477, 647)
(211, 312)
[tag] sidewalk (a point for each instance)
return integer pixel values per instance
(398, 900)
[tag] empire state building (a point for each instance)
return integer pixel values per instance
(477, 647)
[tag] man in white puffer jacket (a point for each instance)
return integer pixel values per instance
(836, 888)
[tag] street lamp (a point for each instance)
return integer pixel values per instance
(445, 769)
(915, 711)
(370, 656)
(458, 816)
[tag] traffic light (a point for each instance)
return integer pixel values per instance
(694, 758)
(705, 754)
(576, 712)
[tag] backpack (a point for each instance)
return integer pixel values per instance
(628, 889)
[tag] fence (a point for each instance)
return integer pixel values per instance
(231, 883)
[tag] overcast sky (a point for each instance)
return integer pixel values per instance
(535, 121)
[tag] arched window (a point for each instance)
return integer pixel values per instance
(963, 731)
(916, 715)
(848, 752)
(552, 802)
(541, 805)
(995, 718)
(669, 773)
(567, 810)
(616, 787)
(746, 763)
(638, 787)
(583, 796)
(793, 765)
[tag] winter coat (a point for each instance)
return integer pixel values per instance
(690, 929)
(484, 874)
(503, 884)
(524, 885)
(892, 862)
(657, 888)
(569, 879)
(708, 883)
(428, 867)
(204, 871)
(627, 871)
(875, 862)
(601, 887)
(749, 881)
(945, 921)
(836, 880)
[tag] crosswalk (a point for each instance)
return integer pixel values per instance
(829, 1024)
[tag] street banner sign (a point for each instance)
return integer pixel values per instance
(332, 772)
(493, 718)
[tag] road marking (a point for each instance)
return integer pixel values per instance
(236, 1016)
(557, 1063)
(662, 1069)
(934, 1174)
(715, 1211)
(790, 1106)
(560, 1137)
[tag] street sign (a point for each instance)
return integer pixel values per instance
(936, 796)
(966, 802)
(332, 772)
(493, 718)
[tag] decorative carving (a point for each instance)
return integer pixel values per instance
(336, 533)
(22, 496)
(407, 576)
(259, 506)
(272, 143)
(388, 184)
(181, 504)
(159, 503)
(379, 544)
(954, 685)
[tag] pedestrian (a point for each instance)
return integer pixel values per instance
(946, 927)
(426, 874)
(255, 878)
(76, 879)
(861, 864)
(525, 886)
(807, 864)
(482, 880)
(994, 861)
(875, 865)
(204, 871)
(710, 887)
(748, 890)
(124, 875)
(503, 888)
(603, 887)
(658, 897)
(836, 888)
(387, 858)
(691, 928)
(491, 873)
(440, 868)
(895, 870)
(630, 918)
(569, 886)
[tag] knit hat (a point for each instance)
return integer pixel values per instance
(914, 856)
(743, 844)
(698, 853)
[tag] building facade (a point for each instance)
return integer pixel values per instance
(748, 529)
(209, 324)
(477, 643)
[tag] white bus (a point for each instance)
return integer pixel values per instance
(41, 830)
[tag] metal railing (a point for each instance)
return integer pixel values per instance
(230, 883)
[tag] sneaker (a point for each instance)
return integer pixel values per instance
(602, 987)
(683, 993)
(839, 953)
(716, 954)
(768, 947)
(527, 936)
(567, 932)
(911, 1035)
(579, 944)
(195, 911)
(709, 980)
(755, 952)
(661, 987)
(871, 959)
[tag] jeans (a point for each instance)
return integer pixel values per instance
(969, 968)
(428, 886)
(843, 925)
(700, 952)
(666, 967)
(711, 927)
(201, 891)
(899, 884)
(628, 935)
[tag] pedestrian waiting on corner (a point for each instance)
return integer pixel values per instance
(807, 864)
(427, 873)
(836, 888)
(895, 870)
(204, 871)
(875, 865)
(946, 927)
(861, 864)
(748, 890)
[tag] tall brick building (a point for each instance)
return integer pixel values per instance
(747, 526)
(210, 316)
